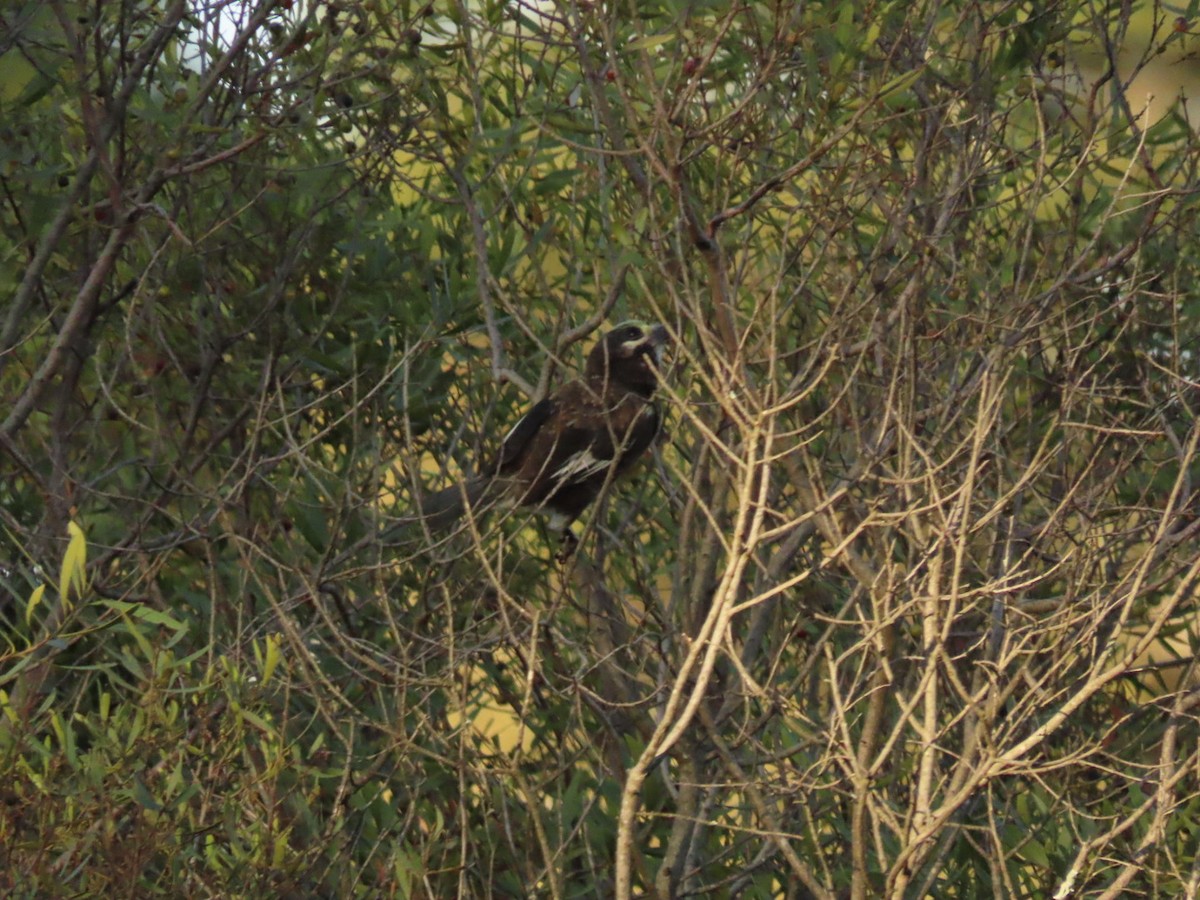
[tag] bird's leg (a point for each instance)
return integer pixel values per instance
(567, 546)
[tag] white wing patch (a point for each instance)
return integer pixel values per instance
(580, 466)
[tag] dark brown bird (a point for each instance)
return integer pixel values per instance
(562, 453)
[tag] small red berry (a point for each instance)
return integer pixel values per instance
(690, 65)
(1181, 24)
(610, 74)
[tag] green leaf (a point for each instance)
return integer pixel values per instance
(73, 574)
(143, 796)
(555, 181)
(271, 656)
(651, 41)
(1036, 853)
(34, 600)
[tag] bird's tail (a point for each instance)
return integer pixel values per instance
(442, 510)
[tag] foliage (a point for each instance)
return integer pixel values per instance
(901, 608)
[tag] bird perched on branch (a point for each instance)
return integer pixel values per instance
(562, 453)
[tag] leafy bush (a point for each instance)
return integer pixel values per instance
(901, 607)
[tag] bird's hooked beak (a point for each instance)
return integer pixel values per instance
(657, 338)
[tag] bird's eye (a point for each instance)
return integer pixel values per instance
(631, 333)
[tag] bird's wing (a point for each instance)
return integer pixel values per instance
(522, 433)
(641, 434)
(582, 463)
(595, 442)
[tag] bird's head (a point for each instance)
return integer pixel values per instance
(630, 355)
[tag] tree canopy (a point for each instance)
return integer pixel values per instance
(901, 606)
